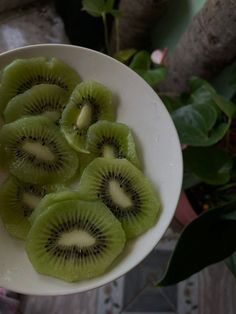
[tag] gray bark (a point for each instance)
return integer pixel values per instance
(206, 47)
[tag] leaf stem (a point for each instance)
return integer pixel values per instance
(104, 19)
(117, 22)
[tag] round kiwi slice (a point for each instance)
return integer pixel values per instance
(124, 190)
(75, 240)
(112, 140)
(36, 152)
(53, 198)
(18, 200)
(44, 99)
(89, 102)
(22, 74)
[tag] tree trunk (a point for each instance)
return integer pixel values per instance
(136, 21)
(208, 44)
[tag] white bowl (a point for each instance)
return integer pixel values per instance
(142, 110)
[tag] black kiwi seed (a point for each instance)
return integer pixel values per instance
(126, 185)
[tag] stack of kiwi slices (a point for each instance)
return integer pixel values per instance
(75, 190)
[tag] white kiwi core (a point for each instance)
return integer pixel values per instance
(118, 195)
(85, 117)
(31, 200)
(39, 150)
(79, 238)
(108, 151)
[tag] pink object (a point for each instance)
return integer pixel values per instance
(184, 212)
(158, 56)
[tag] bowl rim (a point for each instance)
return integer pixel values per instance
(112, 276)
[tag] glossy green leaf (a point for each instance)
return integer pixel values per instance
(231, 263)
(98, 8)
(141, 61)
(94, 8)
(171, 103)
(196, 124)
(227, 106)
(189, 179)
(125, 55)
(116, 13)
(141, 64)
(207, 240)
(210, 164)
(154, 76)
(196, 83)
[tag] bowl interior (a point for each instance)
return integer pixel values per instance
(142, 110)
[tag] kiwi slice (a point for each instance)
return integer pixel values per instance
(53, 198)
(36, 152)
(18, 200)
(112, 140)
(22, 74)
(89, 102)
(124, 190)
(75, 240)
(44, 99)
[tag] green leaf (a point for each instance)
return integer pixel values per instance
(93, 7)
(210, 164)
(98, 8)
(141, 61)
(124, 55)
(141, 64)
(207, 240)
(154, 76)
(189, 179)
(231, 263)
(171, 103)
(196, 83)
(109, 4)
(196, 125)
(228, 107)
(116, 13)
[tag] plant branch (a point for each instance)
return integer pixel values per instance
(104, 19)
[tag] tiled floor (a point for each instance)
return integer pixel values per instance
(212, 291)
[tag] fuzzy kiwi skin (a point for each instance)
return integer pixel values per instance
(94, 97)
(19, 130)
(22, 74)
(14, 210)
(143, 207)
(70, 262)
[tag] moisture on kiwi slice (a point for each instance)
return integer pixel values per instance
(44, 99)
(18, 200)
(53, 198)
(124, 190)
(22, 74)
(89, 102)
(36, 152)
(75, 240)
(112, 140)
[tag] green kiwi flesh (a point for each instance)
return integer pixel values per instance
(53, 198)
(18, 200)
(89, 102)
(112, 140)
(124, 190)
(36, 152)
(44, 99)
(75, 240)
(22, 74)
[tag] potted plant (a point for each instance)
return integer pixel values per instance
(206, 124)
